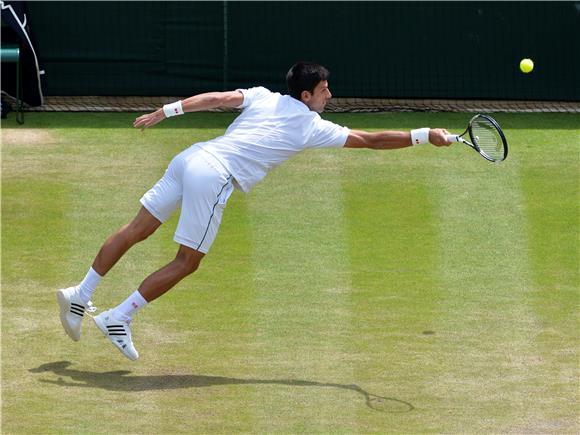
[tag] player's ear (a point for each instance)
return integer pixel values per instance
(305, 96)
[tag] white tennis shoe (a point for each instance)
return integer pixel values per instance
(72, 311)
(118, 332)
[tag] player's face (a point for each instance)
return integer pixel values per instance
(316, 101)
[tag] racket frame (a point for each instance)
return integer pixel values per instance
(474, 141)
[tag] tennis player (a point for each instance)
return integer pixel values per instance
(270, 129)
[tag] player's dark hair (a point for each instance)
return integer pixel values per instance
(304, 76)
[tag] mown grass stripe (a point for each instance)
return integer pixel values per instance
(551, 188)
(393, 251)
(489, 360)
(302, 281)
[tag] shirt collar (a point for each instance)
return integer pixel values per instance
(300, 104)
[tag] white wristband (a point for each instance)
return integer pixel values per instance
(420, 136)
(173, 109)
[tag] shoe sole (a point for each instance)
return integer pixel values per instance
(64, 304)
(105, 332)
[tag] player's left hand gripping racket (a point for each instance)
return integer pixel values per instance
(485, 137)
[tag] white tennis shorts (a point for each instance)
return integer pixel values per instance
(201, 185)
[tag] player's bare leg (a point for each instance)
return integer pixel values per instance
(75, 301)
(185, 263)
(141, 227)
(115, 323)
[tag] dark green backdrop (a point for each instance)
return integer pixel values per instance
(373, 49)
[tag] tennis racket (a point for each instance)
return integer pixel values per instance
(486, 137)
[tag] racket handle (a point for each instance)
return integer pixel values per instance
(452, 138)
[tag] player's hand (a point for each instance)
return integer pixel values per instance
(437, 137)
(149, 120)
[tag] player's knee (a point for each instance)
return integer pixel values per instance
(188, 267)
(187, 264)
(143, 234)
(188, 260)
(138, 233)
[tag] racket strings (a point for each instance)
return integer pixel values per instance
(487, 138)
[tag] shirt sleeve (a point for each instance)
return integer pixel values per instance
(327, 134)
(251, 95)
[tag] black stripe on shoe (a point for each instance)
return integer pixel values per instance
(77, 309)
(116, 330)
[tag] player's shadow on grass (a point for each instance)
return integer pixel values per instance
(122, 380)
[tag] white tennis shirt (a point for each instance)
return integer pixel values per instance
(271, 129)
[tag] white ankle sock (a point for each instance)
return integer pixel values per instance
(130, 306)
(88, 285)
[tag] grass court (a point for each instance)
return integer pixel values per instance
(442, 283)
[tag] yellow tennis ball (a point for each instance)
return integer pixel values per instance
(526, 65)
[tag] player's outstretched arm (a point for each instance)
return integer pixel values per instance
(197, 103)
(389, 140)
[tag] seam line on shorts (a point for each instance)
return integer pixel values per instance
(213, 211)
